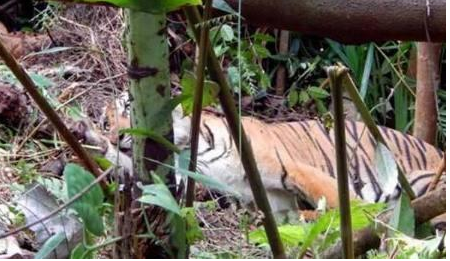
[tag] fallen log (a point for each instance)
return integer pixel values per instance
(351, 21)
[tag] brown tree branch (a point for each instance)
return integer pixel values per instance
(425, 208)
(351, 21)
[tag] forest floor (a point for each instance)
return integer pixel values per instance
(79, 64)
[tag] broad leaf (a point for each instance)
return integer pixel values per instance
(159, 195)
(403, 217)
(91, 217)
(227, 33)
(78, 252)
(291, 235)
(50, 245)
(189, 83)
(293, 98)
(317, 92)
(77, 179)
(87, 207)
(387, 172)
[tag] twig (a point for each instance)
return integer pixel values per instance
(60, 208)
(46, 108)
(336, 75)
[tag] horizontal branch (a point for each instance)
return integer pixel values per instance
(351, 21)
(425, 208)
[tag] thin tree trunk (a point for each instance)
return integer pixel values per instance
(283, 48)
(428, 79)
(150, 95)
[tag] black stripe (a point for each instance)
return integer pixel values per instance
(351, 132)
(407, 154)
(416, 160)
(421, 144)
(307, 130)
(397, 143)
(356, 179)
(283, 143)
(439, 152)
(385, 131)
(211, 141)
(327, 162)
(324, 132)
(408, 138)
(220, 156)
(373, 181)
(358, 138)
(423, 158)
(423, 176)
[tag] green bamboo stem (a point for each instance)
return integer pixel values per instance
(247, 157)
(367, 118)
(336, 74)
(198, 98)
(50, 113)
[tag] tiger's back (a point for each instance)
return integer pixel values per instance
(298, 158)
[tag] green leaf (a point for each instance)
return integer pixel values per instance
(152, 135)
(77, 179)
(150, 6)
(303, 97)
(193, 231)
(92, 220)
(78, 252)
(159, 195)
(317, 92)
(261, 51)
(259, 37)
(293, 97)
(291, 235)
(233, 75)
(367, 70)
(386, 167)
(189, 83)
(50, 245)
(403, 217)
(227, 33)
(103, 162)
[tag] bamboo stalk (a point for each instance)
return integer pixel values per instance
(336, 74)
(247, 157)
(198, 98)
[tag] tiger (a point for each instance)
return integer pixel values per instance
(296, 160)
